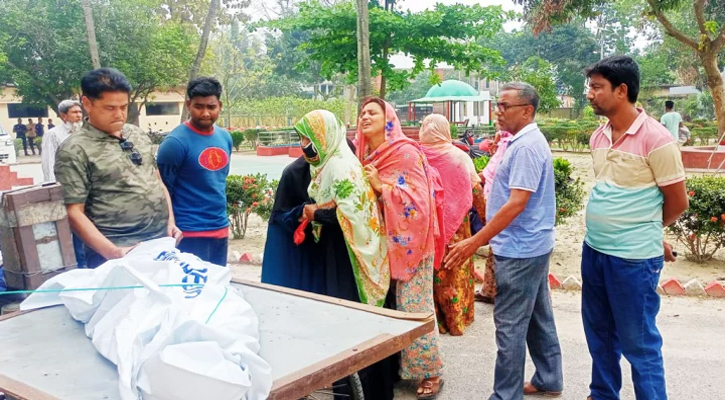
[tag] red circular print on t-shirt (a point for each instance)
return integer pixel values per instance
(213, 159)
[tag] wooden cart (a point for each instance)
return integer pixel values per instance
(309, 340)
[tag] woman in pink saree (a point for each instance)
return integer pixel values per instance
(411, 195)
(453, 288)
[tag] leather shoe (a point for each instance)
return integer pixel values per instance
(530, 389)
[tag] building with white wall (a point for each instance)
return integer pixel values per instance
(161, 113)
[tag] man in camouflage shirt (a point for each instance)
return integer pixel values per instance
(113, 193)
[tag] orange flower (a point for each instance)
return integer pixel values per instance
(245, 187)
(723, 217)
(691, 193)
(374, 225)
(254, 195)
(249, 210)
(713, 219)
(255, 204)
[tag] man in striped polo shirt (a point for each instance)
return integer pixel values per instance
(640, 188)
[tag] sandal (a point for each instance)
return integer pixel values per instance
(434, 387)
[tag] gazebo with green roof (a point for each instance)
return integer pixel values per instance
(450, 92)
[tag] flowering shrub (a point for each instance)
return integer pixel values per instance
(248, 194)
(569, 192)
(702, 227)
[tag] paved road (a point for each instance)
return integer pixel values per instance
(694, 350)
(693, 330)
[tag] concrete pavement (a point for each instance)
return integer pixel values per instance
(694, 350)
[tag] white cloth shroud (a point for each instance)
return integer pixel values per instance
(168, 343)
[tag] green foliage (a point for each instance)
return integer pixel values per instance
(284, 111)
(250, 136)
(702, 227)
(18, 146)
(569, 192)
(570, 47)
(417, 89)
(237, 139)
(481, 162)
(703, 131)
(539, 73)
(454, 131)
(700, 106)
(246, 195)
(47, 51)
(568, 135)
(430, 37)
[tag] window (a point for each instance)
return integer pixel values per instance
(19, 110)
(153, 109)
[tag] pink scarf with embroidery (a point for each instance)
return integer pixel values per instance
(412, 198)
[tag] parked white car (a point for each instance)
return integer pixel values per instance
(7, 147)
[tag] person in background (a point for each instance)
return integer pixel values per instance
(72, 116)
(39, 128)
(672, 120)
(20, 131)
(412, 199)
(487, 294)
(30, 134)
(113, 193)
(521, 212)
(453, 288)
(51, 125)
(639, 189)
(194, 164)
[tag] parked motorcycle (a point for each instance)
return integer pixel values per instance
(466, 143)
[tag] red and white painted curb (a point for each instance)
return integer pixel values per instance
(669, 287)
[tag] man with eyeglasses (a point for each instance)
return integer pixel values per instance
(520, 216)
(113, 192)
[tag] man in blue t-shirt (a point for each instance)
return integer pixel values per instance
(194, 163)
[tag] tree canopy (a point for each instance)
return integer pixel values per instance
(47, 53)
(442, 34)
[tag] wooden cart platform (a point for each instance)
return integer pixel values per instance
(309, 340)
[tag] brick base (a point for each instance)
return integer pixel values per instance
(9, 179)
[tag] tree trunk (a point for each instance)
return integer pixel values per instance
(363, 52)
(196, 66)
(91, 32)
(386, 53)
(715, 83)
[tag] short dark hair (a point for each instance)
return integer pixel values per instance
(618, 70)
(527, 93)
(204, 86)
(102, 80)
(669, 104)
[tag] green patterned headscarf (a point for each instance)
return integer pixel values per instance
(338, 176)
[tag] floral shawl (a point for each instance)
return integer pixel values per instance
(412, 198)
(338, 176)
(455, 167)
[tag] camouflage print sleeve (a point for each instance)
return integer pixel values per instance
(71, 171)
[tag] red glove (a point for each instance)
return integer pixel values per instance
(299, 235)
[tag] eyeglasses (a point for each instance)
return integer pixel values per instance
(135, 156)
(504, 106)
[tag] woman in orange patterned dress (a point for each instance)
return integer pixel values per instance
(453, 288)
